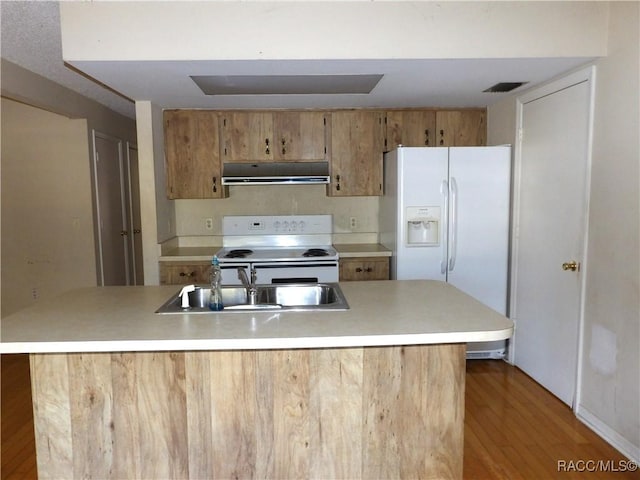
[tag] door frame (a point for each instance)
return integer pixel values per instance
(95, 135)
(135, 259)
(587, 74)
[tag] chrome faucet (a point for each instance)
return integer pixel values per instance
(252, 292)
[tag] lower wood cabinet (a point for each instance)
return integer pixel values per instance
(364, 268)
(182, 273)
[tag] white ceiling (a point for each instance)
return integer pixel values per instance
(30, 37)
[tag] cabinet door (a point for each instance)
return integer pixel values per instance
(357, 142)
(410, 128)
(299, 136)
(192, 154)
(248, 137)
(364, 268)
(461, 128)
(472, 129)
(181, 273)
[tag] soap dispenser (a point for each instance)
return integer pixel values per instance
(215, 298)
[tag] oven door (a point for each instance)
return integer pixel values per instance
(296, 272)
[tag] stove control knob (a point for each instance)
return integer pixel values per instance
(294, 225)
(301, 225)
(276, 225)
(285, 226)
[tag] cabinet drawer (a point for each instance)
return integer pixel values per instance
(364, 268)
(182, 273)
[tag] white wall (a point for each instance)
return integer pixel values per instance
(27, 87)
(156, 211)
(280, 200)
(501, 122)
(610, 394)
(609, 399)
(330, 30)
(47, 221)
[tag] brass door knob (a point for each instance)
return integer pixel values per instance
(573, 266)
(123, 233)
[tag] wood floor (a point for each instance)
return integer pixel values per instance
(514, 429)
(18, 450)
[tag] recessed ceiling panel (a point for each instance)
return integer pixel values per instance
(286, 84)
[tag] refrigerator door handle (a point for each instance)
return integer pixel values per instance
(444, 190)
(453, 243)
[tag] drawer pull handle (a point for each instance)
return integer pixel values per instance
(360, 269)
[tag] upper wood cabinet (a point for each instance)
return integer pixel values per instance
(435, 128)
(192, 154)
(197, 142)
(300, 136)
(411, 128)
(357, 143)
(273, 136)
(461, 128)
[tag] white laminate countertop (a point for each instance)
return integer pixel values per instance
(122, 319)
(193, 254)
(348, 250)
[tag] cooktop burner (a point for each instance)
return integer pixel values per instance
(256, 239)
(239, 253)
(315, 252)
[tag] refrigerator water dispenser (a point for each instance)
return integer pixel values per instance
(423, 226)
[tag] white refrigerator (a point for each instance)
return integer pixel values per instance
(445, 216)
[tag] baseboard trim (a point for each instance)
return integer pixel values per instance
(624, 446)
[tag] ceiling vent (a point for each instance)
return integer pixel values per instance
(286, 84)
(504, 87)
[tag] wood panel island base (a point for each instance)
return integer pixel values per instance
(376, 391)
(351, 413)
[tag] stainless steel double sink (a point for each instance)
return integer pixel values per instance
(285, 297)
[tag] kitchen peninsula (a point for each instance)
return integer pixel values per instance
(373, 392)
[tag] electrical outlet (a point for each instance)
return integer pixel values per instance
(353, 222)
(34, 293)
(208, 223)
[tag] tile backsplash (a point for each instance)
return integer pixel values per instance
(192, 215)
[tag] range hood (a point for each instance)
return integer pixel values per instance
(275, 173)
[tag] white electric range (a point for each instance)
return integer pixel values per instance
(280, 248)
